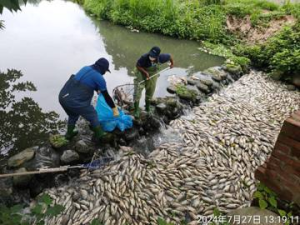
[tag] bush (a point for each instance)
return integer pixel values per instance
(191, 20)
(266, 5)
(265, 198)
(292, 9)
(281, 53)
(43, 210)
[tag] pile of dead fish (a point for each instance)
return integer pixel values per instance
(225, 140)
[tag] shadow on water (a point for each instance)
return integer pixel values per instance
(71, 40)
(23, 123)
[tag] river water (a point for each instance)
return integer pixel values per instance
(50, 40)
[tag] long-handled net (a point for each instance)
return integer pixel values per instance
(124, 94)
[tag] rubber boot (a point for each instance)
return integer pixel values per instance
(71, 132)
(148, 107)
(136, 110)
(99, 133)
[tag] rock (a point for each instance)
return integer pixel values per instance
(5, 188)
(57, 141)
(291, 87)
(154, 122)
(171, 89)
(253, 214)
(276, 75)
(82, 147)
(131, 134)
(161, 107)
(107, 138)
(37, 185)
(206, 82)
(172, 102)
(10, 196)
(296, 80)
(21, 157)
(61, 179)
(45, 156)
(69, 156)
(203, 87)
(235, 70)
(191, 81)
(21, 181)
(215, 86)
(122, 142)
(216, 73)
(216, 78)
(186, 94)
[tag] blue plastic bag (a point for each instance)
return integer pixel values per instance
(106, 118)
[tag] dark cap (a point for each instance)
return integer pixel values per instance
(154, 52)
(103, 63)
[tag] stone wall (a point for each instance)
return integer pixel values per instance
(281, 172)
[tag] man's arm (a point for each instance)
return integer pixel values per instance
(143, 71)
(171, 61)
(163, 58)
(108, 99)
(102, 88)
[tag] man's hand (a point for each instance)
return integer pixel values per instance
(147, 76)
(116, 112)
(171, 62)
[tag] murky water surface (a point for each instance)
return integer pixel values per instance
(48, 41)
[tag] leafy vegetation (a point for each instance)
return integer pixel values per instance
(220, 218)
(232, 61)
(206, 20)
(58, 141)
(267, 199)
(12, 5)
(253, 8)
(184, 19)
(185, 93)
(17, 215)
(199, 20)
(280, 54)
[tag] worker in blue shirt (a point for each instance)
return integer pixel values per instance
(146, 66)
(76, 96)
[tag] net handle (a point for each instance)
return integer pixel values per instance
(168, 68)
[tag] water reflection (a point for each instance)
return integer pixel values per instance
(23, 123)
(126, 47)
(50, 40)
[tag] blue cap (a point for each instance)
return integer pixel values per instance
(154, 52)
(103, 63)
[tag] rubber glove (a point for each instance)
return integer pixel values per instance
(116, 112)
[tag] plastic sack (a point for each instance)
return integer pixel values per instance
(107, 120)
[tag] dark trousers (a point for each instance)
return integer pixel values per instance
(88, 113)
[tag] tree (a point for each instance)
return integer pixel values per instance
(12, 5)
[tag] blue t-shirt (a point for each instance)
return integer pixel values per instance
(87, 75)
(145, 62)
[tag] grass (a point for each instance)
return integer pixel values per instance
(200, 20)
(193, 19)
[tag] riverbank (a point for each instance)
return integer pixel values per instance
(261, 33)
(226, 140)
